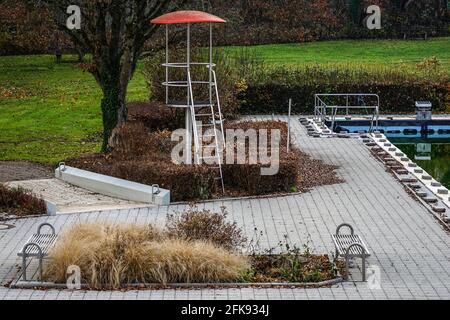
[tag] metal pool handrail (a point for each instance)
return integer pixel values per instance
(320, 107)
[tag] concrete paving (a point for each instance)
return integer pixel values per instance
(409, 247)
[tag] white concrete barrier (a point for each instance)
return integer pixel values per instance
(113, 187)
(52, 208)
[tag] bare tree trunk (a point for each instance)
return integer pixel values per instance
(113, 104)
(114, 111)
(80, 54)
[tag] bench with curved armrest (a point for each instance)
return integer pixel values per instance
(350, 246)
(37, 246)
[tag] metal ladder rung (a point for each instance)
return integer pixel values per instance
(209, 115)
(203, 114)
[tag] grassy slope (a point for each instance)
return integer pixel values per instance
(50, 112)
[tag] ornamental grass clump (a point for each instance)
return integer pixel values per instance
(112, 256)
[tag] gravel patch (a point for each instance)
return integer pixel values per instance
(22, 170)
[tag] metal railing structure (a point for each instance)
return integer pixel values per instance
(213, 116)
(328, 106)
(200, 114)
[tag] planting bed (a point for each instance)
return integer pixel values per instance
(194, 248)
(20, 202)
(142, 151)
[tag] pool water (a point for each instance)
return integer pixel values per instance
(433, 155)
(425, 142)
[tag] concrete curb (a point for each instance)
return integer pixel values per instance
(421, 185)
(157, 286)
(413, 169)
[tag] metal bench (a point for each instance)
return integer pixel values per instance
(37, 246)
(350, 246)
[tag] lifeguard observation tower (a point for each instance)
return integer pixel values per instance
(200, 115)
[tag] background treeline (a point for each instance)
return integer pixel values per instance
(26, 28)
(287, 21)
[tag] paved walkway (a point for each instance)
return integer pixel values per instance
(407, 244)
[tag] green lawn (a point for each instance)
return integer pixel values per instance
(49, 112)
(388, 52)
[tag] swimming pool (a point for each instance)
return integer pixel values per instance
(433, 155)
(425, 142)
(433, 129)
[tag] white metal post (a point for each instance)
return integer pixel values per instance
(289, 126)
(210, 62)
(346, 103)
(188, 110)
(167, 62)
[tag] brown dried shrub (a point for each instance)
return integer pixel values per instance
(247, 177)
(144, 157)
(184, 182)
(131, 139)
(194, 224)
(20, 202)
(156, 116)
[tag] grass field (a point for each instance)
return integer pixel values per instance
(386, 52)
(49, 112)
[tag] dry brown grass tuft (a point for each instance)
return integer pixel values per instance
(179, 261)
(115, 256)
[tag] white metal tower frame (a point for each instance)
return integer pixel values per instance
(191, 117)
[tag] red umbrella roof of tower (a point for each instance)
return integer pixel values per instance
(187, 17)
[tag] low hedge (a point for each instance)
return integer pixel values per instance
(184, 182)
(394, 98)
(398, 89)
(156, 116)
(247, 178)
(144, 157)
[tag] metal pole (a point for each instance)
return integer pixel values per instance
(315, 107)
(167, 61)
(346, 112)
(210, 61)
(289, 126)
(188, 119)
(378, 111)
